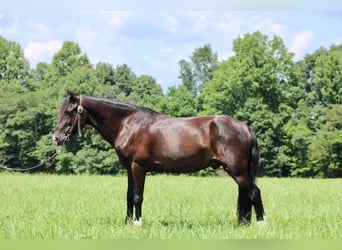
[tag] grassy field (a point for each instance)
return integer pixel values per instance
(175, 207)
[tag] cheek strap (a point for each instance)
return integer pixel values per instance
(80, 110)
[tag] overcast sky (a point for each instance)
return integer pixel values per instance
(153, 41)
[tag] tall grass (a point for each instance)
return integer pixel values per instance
(176, 207)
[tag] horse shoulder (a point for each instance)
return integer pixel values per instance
(135, 136)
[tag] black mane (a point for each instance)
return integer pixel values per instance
(123, 106)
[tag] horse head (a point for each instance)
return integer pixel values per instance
(71, 119)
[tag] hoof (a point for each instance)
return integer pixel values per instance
(262, 223)
(138, 223)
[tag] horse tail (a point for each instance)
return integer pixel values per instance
(254, 156)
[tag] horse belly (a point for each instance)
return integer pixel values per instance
(180, 145)
(181, 160)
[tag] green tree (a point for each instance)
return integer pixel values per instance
(261, 68)
(179, 102)
(105, 73)
(187, 76)
(204, 62)
(124, 79)
(328, 79)
(319, 76)
(39, 73)
(13, 64)
(199, 70)
(146, 92)
(299, 132)
(68, 58)
(22, 125)
(254, 86)
(306, 132)
(325, 158)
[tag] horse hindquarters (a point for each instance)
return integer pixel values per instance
(236, 148)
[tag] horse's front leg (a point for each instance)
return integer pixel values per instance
(130, 204)
(138, 174)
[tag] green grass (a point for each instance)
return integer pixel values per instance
(176, 207)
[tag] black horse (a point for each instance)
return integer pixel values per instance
(146, 140)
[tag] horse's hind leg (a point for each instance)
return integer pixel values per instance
(249, 194)
(244, 202)
(255, 197)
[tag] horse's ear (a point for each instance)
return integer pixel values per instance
(72, 96)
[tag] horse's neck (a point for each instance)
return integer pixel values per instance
(105, 119)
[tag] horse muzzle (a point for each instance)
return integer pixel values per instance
(59, 139)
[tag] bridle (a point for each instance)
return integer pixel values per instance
(77, 121)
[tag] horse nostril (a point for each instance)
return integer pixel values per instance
(54, 138)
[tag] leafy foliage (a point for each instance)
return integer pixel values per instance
(199, 70)
(295, 108)
(279, 99)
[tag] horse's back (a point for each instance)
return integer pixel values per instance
(181, 140)
(199, 132)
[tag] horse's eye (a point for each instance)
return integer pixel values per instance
(68, 112)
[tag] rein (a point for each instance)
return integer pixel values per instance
(77, 122)
(51, 158)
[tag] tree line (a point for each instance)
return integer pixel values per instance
(294, 107)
